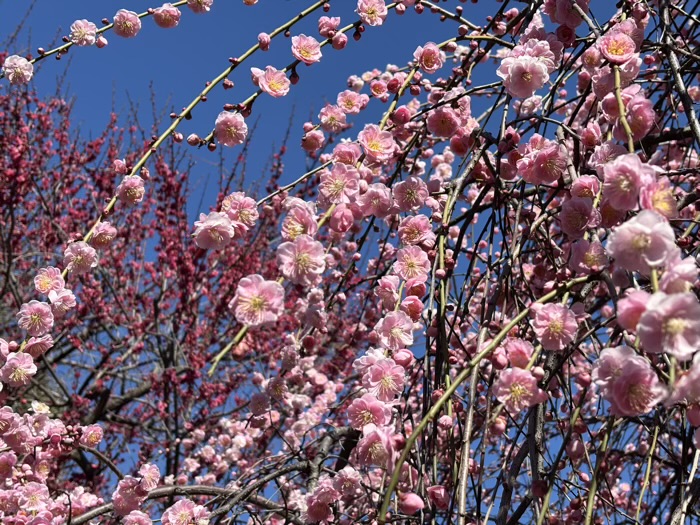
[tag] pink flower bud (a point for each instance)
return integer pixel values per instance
(410, 503)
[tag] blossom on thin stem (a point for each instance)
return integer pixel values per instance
(257, 301)
(18, 70)
(127, 24)
(83, 33)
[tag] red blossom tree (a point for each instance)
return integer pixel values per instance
(481, 307)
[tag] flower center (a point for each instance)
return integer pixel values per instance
(517, 392)
(675, 326)
(641, 242)
(556, 327)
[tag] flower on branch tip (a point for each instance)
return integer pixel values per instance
(18, 70)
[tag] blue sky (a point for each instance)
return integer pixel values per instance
(177, 62)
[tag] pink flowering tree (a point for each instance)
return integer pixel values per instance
(472, 299)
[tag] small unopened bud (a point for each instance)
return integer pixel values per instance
(101, 42)
(178, 137)
(339, 41)
(193, 139)
(228, 84)
(264, 41)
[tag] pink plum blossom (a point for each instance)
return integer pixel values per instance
(351, 102)
(241, 210)
(127, 24)
(131, 190)
(679, 276)
(368, 410)
(644, 242)
(377, 201)
(587, 257)
(327, 26)
(627, 381)
(387, 290)
(542, 160)
(332, 119)
(429, 57)
(103, 235)
(48, 279)
(517, 389)
(61, 301)
(624, 177)
(577, 216)
(150, 476)
(416, 230)
(302, 260)
(630, 308)
(230, 129)
(616, 47)
(37, 346)
(519, 352)
(35, 317)
(410, 503)
(200, 6)
(555, 326)
(257, 301)
(299, 221)
(18, 70)
(378, 145)
(273, 82)
(375, 448)
(306, 49)
(213, 231)
(671, 324)
(372, 12)
(658, 196)
(395, 331)
(83, 33)
(92, 436)
(412, 263)
(185, 512)
(384, 380)
(18, 369)
(340, 185)
(128, 496)
(167, 16)
(523, 76)
(443, 122)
